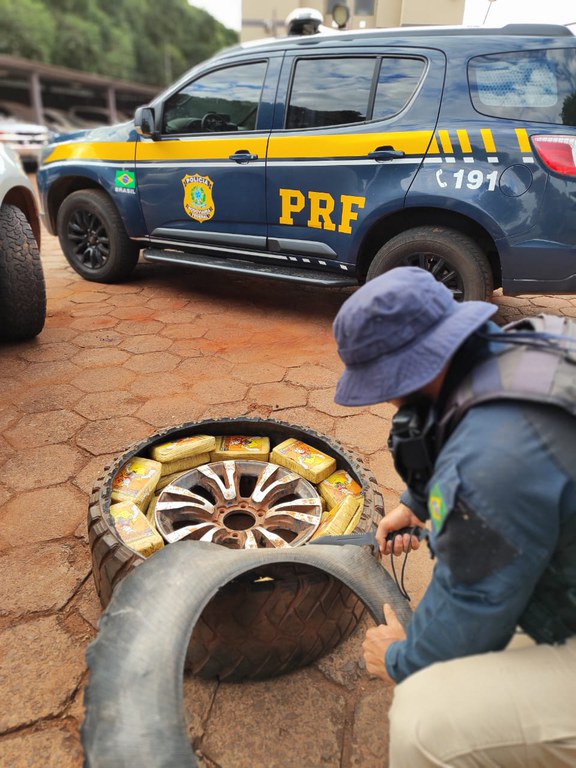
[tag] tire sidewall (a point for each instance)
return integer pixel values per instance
(22, 286)
(456, 249)
(121, 249)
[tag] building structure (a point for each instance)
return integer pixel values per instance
(261, 18)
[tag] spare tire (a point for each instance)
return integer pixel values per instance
(251, 612)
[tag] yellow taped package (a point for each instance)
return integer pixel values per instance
(168, 479)
(341, 519)
(356, 517)
(152, 509)
(181, 465)
(136, 481)
(181, 449)
(134, 528)
(302, 458)
(336, 487)
(241, 447)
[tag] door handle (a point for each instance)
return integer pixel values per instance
(243, 156)
(381, 154)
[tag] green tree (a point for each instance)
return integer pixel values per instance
(139, 40)
(27, 29)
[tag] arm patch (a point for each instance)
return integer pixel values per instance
(470, 547)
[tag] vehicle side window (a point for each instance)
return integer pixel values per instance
(330, 92)
(223, 100)
(537, 86)
(398, 80)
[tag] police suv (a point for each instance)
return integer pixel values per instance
(330, 158)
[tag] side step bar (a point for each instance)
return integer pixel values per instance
(237, 266)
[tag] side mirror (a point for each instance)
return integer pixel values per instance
(145, 122)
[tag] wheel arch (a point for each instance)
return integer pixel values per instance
(128, 206)
(64, 187)
(409, 218)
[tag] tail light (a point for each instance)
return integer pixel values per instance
(557, 152)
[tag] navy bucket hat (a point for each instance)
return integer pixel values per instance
(397, 332)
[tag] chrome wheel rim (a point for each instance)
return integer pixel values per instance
(239, 504)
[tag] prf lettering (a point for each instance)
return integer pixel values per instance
(322, 213)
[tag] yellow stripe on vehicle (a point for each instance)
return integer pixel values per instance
(119, 151)
(464, 140)
(488, 140)
(446, 143)
(523, 140)
(201, 148)
(347, 145)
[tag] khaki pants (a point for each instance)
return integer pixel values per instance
(513, 708)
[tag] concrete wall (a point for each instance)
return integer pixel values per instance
(263, 18)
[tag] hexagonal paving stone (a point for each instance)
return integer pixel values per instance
(312, 376)
(65, 564)
(109, 435)
(41, 467)
(262, 373)
(49, 748)
(106, 405)
(146, 343)
(103, 379)
(259, 723)
(49, 352)
(100, 357)
(44, 514)
(50, 666)
(216, 391)
(38, 399)
(36, 429)
(278, 395)
(171, 411)
(364, 431)
(153, 363)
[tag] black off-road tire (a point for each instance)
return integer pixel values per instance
(134, 700)
(22, 288)
(452, 257)
(93, 237)
(247, 615)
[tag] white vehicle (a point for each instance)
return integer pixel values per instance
(22, 289)
(27, 139)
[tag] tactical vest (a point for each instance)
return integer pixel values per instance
(537, 364)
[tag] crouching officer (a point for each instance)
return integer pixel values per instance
(485, 437)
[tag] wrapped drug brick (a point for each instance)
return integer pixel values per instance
(182, 465)
(135, 530)
(341, 519)
(302, 458)
(233, 447)
(183, 448)
(136, 481)
(337, 486)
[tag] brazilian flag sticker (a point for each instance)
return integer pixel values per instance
(437, 508)
(125, 179)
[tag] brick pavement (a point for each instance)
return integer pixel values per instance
(113, 365)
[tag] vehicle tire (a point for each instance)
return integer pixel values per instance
(452, 257)
(93, 237)
(134, 700)
(246, 614)
(22, 288)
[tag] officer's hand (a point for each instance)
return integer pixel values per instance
(377, 641)
(400, 517)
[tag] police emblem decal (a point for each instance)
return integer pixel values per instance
(198, 202)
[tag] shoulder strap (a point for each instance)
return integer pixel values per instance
(538, 364)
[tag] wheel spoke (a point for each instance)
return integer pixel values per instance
(239, 504)
(271, 539)
(188, 532)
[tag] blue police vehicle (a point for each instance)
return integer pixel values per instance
(330, 158)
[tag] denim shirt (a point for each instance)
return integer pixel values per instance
(497, 500)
